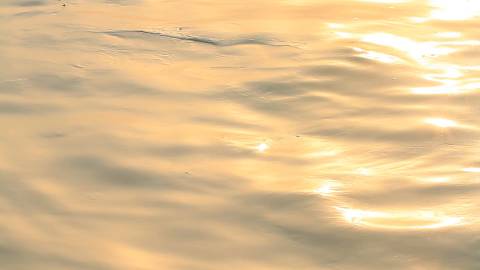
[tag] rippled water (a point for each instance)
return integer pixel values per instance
(274, 134)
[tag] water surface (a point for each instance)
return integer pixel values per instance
(274, 134)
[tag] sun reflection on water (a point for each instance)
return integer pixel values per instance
(441, 122)
(449, 77)
(261, 148)
(399, 220)
(381, 57)
(419, 51)
(329, 188)
(454, 10)
(438, 179)
(472, 169)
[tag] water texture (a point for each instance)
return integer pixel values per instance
(211, 135)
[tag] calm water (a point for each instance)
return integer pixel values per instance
(212, 135)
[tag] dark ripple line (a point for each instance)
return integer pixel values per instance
(203, 40)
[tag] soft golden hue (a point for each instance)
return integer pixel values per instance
(212, 135)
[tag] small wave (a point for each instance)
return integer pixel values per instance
(197, 39)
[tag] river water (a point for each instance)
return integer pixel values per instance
(208, 134)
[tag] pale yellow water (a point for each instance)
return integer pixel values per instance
(274, 134)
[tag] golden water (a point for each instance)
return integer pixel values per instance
(274, 134)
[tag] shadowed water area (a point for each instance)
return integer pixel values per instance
(211, 135)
